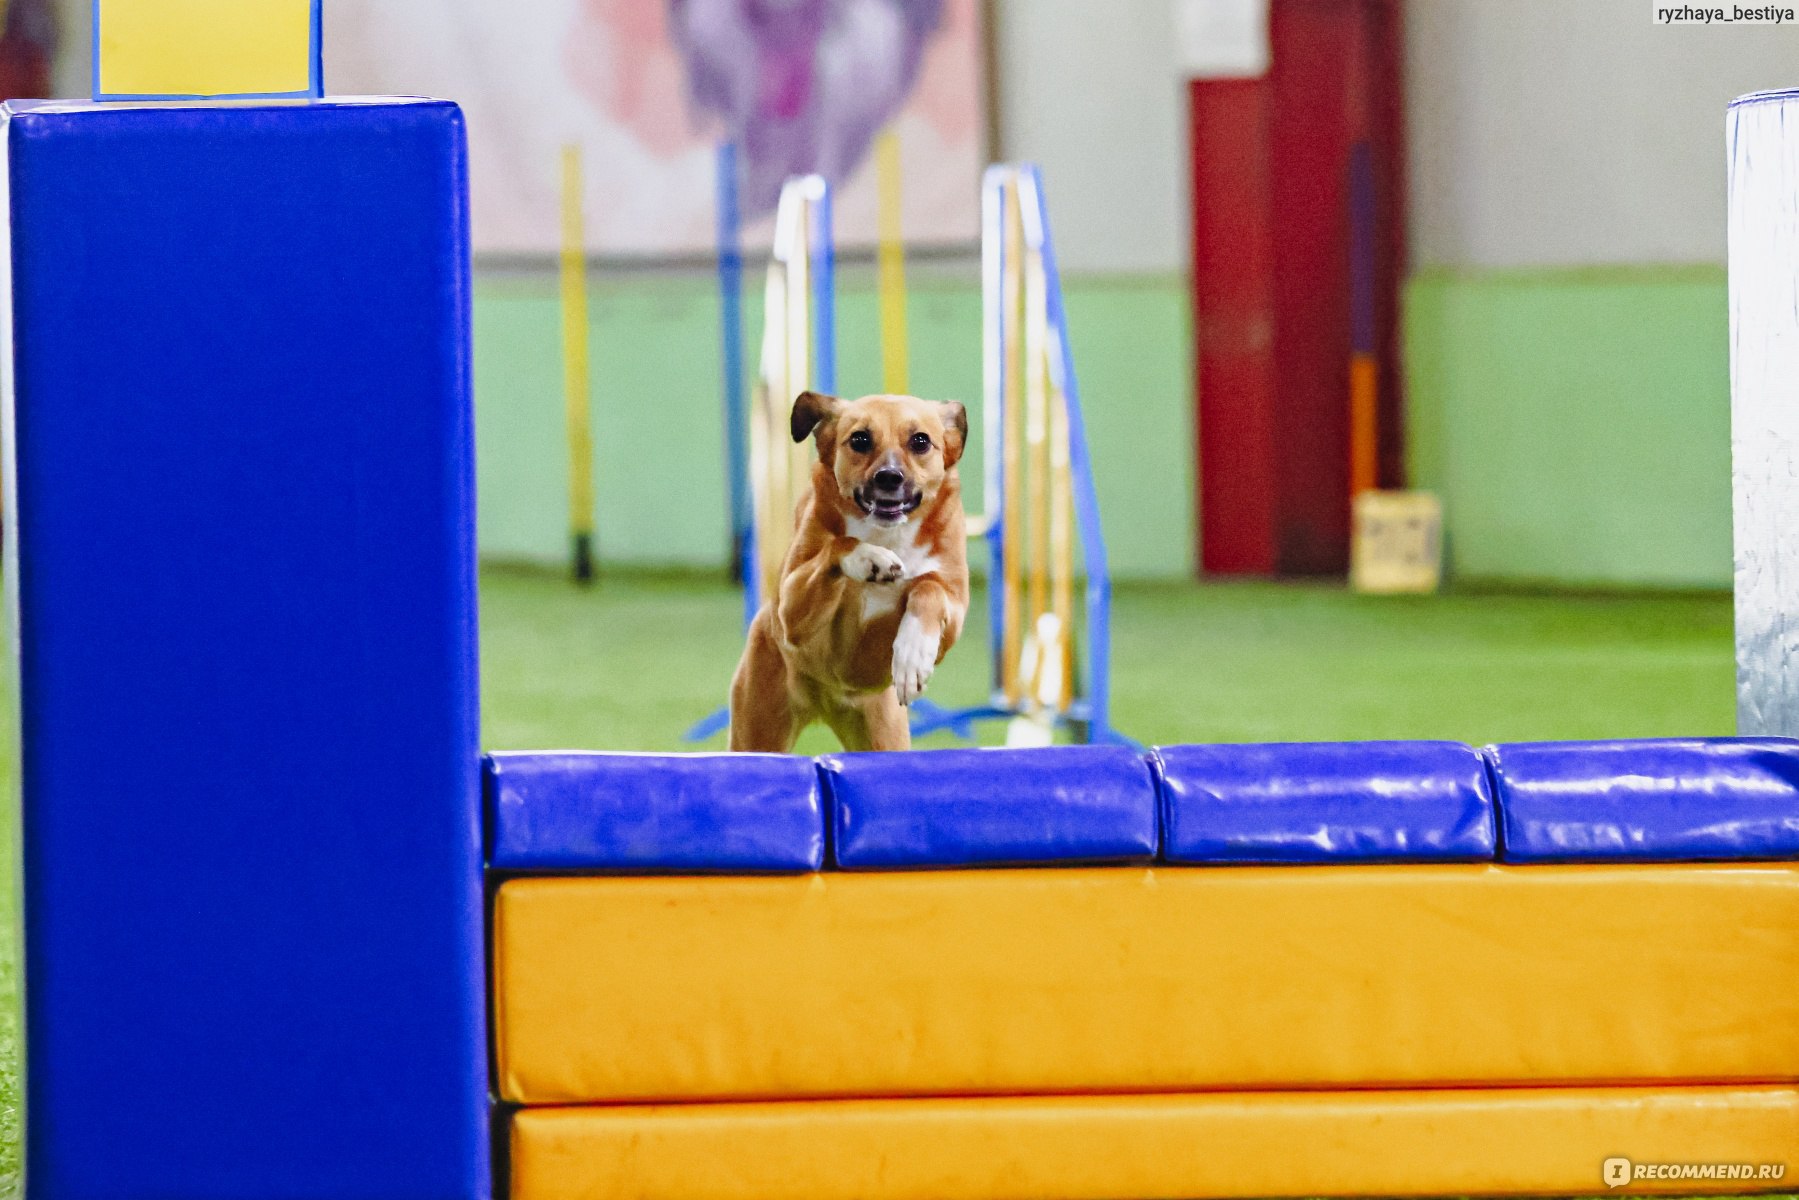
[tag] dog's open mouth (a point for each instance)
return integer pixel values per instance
(889, 509)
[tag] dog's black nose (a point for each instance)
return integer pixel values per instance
(889, 481)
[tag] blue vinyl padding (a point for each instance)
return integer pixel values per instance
(1672, 800)
(1325, 802)
(646, 812)
(254, 956)
(966, 808)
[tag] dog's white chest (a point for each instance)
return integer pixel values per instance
(879, 599)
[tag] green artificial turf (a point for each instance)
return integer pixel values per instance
(631, 662)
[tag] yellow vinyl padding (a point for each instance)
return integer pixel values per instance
(1418, 1143)
(1126, 980)
(204, 47)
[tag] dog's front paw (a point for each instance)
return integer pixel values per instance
(872, 564)
(914, 658)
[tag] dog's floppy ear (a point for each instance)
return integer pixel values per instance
(955, 429)
(809, 410)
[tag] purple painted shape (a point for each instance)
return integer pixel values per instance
(802, 86)
(33, 22)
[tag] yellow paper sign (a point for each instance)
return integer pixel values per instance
(1398, 542)
(205, 48)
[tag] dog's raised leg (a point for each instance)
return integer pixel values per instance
(932, 623)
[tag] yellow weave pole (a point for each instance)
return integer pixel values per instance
(896, 376)
(576, 380)
(1012, 532)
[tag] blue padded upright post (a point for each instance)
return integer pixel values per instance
(241, 441)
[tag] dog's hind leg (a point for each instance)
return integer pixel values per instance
(763, 712)
(876, 722)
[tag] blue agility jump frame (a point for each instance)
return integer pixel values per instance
(805, 203)
(1089, 713)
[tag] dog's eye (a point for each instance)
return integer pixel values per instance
(862, 441)
(921, 443)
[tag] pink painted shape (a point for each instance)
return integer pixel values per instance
(619, 56)
(948, 95)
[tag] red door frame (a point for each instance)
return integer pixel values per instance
(1270, 163)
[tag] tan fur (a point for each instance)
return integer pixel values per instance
(828, 646)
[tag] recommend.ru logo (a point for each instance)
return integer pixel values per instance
(1621, 1172)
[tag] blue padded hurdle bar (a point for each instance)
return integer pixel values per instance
(242, 539)
(573, 810)
(1318, 802)
(985, 808)
(1649, 800)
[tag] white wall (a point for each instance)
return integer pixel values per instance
(1090, 90)
(1543, 132)
(1574, 132)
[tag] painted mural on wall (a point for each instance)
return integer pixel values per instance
(648, 89)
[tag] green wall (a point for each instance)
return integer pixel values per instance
(1576, 423)
(660, 471)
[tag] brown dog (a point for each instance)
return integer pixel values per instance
(875, 585)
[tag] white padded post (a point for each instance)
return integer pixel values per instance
(1762, 133)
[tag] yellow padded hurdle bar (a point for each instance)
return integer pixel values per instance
(1445, 1142)
(651, 989)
